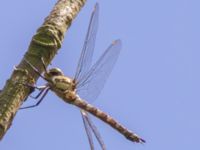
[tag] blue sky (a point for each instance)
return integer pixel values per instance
(153, 89)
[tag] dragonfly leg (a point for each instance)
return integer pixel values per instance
(35, 69)
(45, 68)
(41, 89)
(44, 91)
(33, 87)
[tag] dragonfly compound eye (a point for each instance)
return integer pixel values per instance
(55, 72)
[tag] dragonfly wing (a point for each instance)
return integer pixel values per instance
(87, 129)
(88, 122)
(88, 47)
(92, 83)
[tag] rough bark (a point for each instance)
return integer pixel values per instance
(44, 44)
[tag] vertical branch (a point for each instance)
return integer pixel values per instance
(44, 44)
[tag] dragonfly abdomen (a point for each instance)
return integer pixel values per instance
(107, 119)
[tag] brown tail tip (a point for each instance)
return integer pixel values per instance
(135, 138)
(141, 141)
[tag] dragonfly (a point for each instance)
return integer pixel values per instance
(86, 85)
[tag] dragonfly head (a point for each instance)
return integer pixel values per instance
(53, 72)
(55, 77)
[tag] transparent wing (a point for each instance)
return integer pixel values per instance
(92, 83)
(88, 47)
(89, 125)
(87, 130)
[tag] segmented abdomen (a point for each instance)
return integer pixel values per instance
(107, 119)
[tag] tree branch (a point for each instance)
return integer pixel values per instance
(44, 44)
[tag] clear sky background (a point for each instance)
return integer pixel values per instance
(153, 90)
